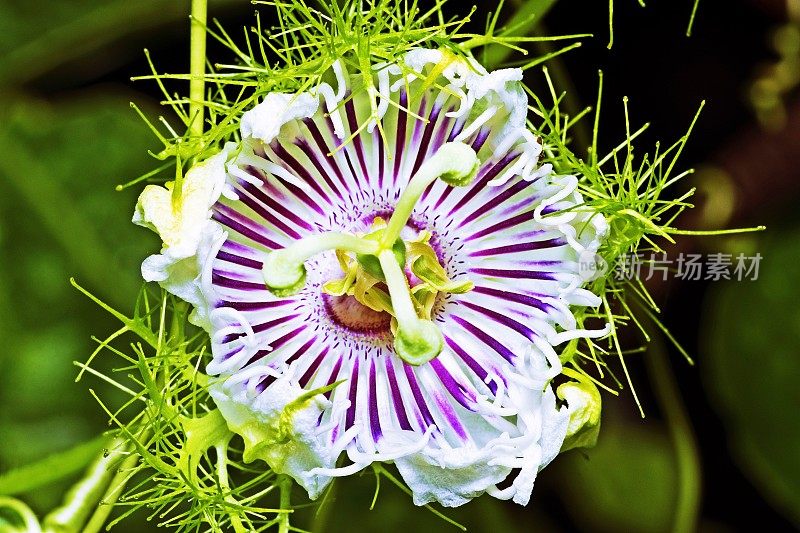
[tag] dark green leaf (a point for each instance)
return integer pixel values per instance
(753, 364)
(625, 483)
(50, 469)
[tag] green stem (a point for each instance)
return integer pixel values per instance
(100, 515)
(682, 436)
(197, 67)
(14, 513)
(691, 18)
(84, 496)
(222, 474)
(455, 163)
(285, 485)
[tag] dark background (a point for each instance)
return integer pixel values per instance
(68, 136)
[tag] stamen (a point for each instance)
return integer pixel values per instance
(455, 163)
(284, 272)
(416, 341)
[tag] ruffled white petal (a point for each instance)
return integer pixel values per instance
(189, 237)
(264, 121)
(183, 277)
(584, 406)
(280, 428)
(181, 225)
(449, 477)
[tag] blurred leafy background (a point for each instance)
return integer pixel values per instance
(68, 136)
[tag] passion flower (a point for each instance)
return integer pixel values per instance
(386, 273)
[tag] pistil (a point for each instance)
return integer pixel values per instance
(284, 270)
(455, 163)
(416, 340)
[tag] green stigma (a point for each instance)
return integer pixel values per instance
(284, 270)
(455, 163)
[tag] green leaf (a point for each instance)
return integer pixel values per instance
(53, 468)
(752, 337)
(34, 38)
(626, 483)
(61, 166)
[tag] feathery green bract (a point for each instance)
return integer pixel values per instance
(190, 473)
(634, 196)
(297, 53)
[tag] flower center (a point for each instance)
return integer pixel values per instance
(353, 315)
(374, 264)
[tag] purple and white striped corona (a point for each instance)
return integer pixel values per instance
(387, 272)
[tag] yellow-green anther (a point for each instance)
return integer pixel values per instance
(455, 163)
(284, 270)
(416, 341)
(371, 264)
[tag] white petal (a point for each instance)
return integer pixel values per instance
(280, 428)
(186, 230)
(418, 58)
(265, 120)
(181, 225)
(183, 276)
(449, 477)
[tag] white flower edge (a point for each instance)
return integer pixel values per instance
(187, 232)
(483, 96)
(470, 80)
(183, 277)
(453, 477)
(181, 225)
(265, 120)
(465, 76)
(585, 404)
(280, 428)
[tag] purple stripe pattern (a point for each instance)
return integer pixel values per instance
(314, 178)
